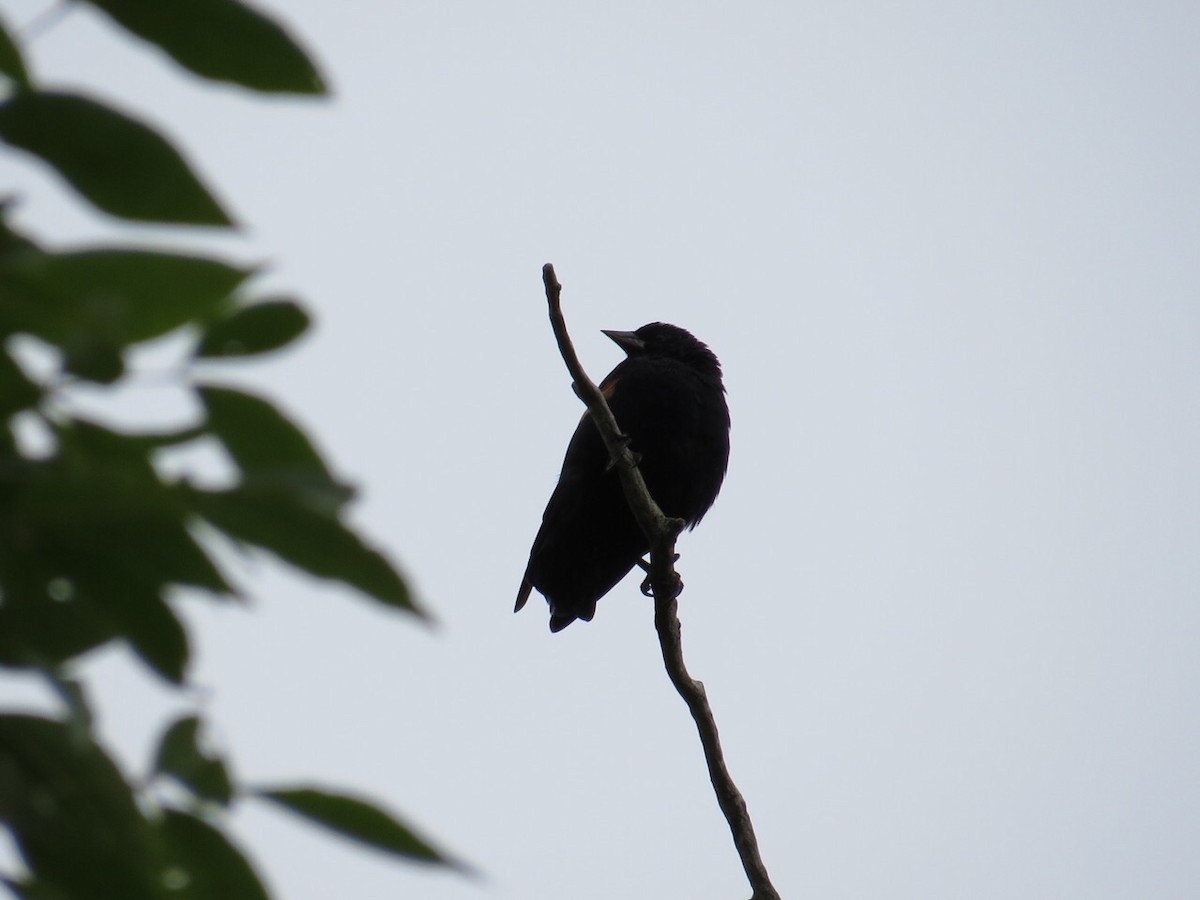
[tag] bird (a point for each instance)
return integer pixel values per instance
(668, 397)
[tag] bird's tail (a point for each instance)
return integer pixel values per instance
(523, 594)
(562, 614)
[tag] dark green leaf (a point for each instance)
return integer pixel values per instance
(71, 692)
(11, 63)
(35, 633)
(358, 820)
(141, 443)
(119, 164)
(181, 756)
(222, 40)
(175, 557)
(151, 628)
(95, 358)
(42, 623)
(114, 297)
(34, 890)
(310, 540)
(68, 600)
(269, 449)
(154, 440)
(97, 525)
(86, 443)
(31, 891)
(100, 507)
(71, 814)
(261, 440)
(89, 449)
(255, 329)
(113, 585)
(17, 392)
(11, 241)
(131, 607)
(202, 863)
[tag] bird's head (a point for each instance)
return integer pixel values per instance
(663, 340)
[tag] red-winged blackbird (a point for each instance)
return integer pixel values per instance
(667, 396)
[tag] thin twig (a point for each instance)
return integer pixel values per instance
(661, 531)
(645, 510)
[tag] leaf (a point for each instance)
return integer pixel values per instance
(310, 540)
(95, 359)
(222, 40)
(97, 600)
(100, 506)
(258, 436)
(94, 303)
(202, 864)
(129, 606)
(270, 450)
(358, 820)
(42, 623)
(17, 392)
(126, 296)
(150, 626)
(154, 440)
(88, 449)
(158, 552)
(122, 166)
(101, 541)
(71, 814)
(255, 329)
(73, 696)
(117, 590)
(11, 63)
(36, 633)
(33, 890)
(181, 757)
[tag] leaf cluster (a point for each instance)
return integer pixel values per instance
(96, 540)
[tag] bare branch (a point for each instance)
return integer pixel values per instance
(665, 583)
(645, 510)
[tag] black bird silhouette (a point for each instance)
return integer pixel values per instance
(668, 397)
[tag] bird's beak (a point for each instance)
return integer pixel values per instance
(627, 341)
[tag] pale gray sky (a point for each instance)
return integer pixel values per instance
(946, 606)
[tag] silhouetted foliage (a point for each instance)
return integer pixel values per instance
(95, 541)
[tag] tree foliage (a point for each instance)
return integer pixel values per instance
(95, 540)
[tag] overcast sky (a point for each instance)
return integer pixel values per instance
(946, 605)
